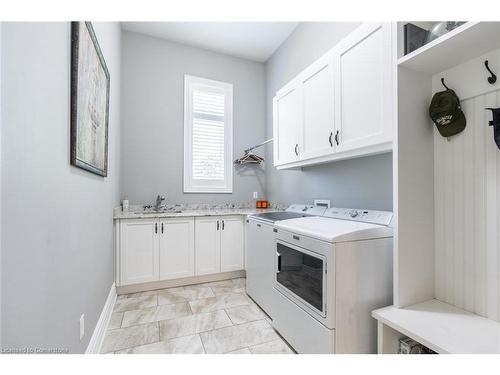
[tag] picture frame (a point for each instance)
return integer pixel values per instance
(90, 87)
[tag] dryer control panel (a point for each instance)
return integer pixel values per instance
(365, 216)
(308, 209)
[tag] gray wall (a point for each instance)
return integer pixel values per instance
(152, 117)
(363, 182)
(56, 219)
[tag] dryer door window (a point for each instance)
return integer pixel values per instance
(302, 273)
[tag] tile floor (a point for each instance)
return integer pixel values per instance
(211, 318)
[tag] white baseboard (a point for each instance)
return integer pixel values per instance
(153, 285)
(97, 338)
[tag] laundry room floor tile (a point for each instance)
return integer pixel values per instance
(272, 347)
(115, 321)
(228, 339)
(245, 314)
(136, 303)
(219, 302)
(154, 314)
(181, 345)
(240, 351)
(196, 323)
(123, 338)
(214, 317)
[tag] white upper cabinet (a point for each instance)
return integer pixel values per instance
(176, 248)
(341, 105)
(139, 251)
(286, 108)
(363, 82)
(232, 243)
(317, 87)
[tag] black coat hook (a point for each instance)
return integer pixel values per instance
(493, 77)
(442, 82)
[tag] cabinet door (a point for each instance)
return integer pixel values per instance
(286, 124)
(232, 243)
(260, 267)
(207, 245)
(139, 250)
(318, 108)
(363, 84)
(176, 248)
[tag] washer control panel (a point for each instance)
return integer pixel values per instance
(365, 216)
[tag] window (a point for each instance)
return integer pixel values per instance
(208, 136)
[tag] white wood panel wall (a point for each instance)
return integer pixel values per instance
(467, 197)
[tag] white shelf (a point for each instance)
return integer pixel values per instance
(443, 328)
(466, 42)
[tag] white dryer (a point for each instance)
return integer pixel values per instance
(259, 264)
(331, 272)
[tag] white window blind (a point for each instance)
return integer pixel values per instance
(207, 136)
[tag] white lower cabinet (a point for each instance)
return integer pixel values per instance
(139, 251)
(176, 248)
(232, 243)
(207, 245)
(172, 248)
(219, 244)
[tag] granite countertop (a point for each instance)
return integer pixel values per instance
(137, 212)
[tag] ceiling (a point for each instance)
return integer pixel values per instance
(250, 40)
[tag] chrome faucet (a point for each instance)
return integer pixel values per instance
(159, 202)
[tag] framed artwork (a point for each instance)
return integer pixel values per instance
(89, 101)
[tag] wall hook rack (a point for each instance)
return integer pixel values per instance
(442, 82)
(493, 78)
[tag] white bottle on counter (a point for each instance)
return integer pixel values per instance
(125, 205)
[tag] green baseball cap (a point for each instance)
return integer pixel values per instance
(446, 113)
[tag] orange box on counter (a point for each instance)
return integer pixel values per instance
(262, 204)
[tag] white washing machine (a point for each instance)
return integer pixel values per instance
(330, 273)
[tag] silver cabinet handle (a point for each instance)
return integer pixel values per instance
(278, 263)
(222, 224)
(296, 146)
(217, 224)
(156, 227)
(161, 228)
(330, 139)
(337, 137)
